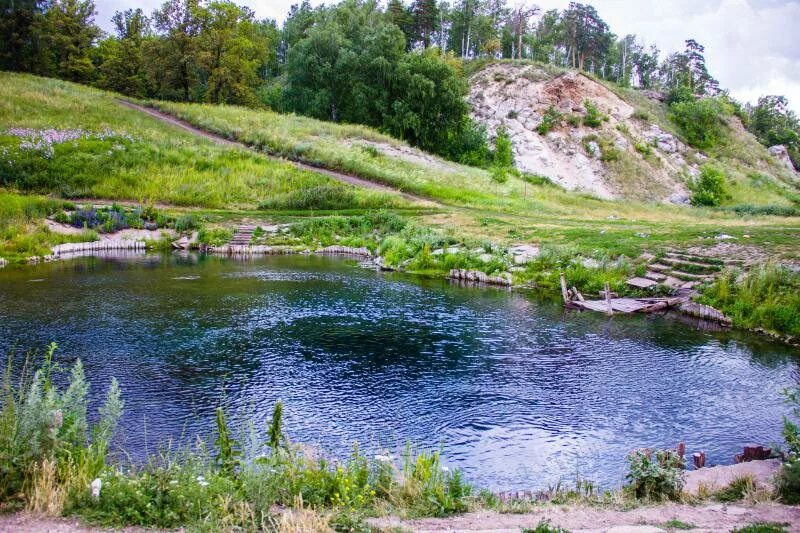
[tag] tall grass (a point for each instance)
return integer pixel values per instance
(154, 163)
(766, 297)
(53, 462)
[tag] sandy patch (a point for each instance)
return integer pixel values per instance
(580, 518)
(122, 235)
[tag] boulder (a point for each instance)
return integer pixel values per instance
(593, 149)
(522, 254)
(641, 283)
(780, 153)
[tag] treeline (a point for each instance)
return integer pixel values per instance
(397, 67)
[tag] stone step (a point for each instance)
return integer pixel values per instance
(641, 283)
(694, 258)
(658, 267)
(686, 276)
(655, 276)
(682, 262)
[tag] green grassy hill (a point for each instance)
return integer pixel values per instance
(63, 141)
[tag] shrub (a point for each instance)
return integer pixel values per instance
(214, 236)
(593, 117)
(762, 527)
(788, 482)
(503, 154)
(499, 174)
(766, 297)
(187, 222)
(709, 187)
(641, 114)
(655, 474)
(680, 94)
(766, 210)
(736, 489)
(544, 527)
(551, 118)
(320, 197)
(41, 425)
(574, 120)
(700, 121)
(643, 148)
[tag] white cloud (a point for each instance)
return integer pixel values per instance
(751, 45)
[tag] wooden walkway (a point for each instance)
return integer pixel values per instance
(628, 305)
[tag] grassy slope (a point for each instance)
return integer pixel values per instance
(481, 208)
(163, 164)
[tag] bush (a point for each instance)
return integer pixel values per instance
(551, 118)
(593, 117)
(214, 236)
(499, 174)
(187, 222)
(762, 527)
(641, 114)
(788, 482)
(503, 154)
(700, 121)
(44, 428)
(767, 297)
(655, 474)
(736, 489)
(709, 187)
(320, 197)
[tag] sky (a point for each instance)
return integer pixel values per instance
(752, 46)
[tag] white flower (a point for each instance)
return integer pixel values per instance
(96, 485)
(444, 469)
(383, 458)
(202, 481)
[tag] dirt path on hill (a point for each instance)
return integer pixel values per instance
(222, 141)
(655, 519)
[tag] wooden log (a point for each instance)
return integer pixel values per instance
(755, 452)
(609, 307)
(564, 293)
(681, 449)
(699, 459)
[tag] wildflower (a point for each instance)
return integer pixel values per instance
(96, 485)
(444, 469)
(383, 458)
(202, 481)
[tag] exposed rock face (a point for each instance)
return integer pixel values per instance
(782, 154)
(573, 155)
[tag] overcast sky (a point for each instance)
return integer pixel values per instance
(752, 46)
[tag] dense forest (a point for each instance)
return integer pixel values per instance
(399, 68)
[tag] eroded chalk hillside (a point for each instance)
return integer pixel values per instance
(585, 137)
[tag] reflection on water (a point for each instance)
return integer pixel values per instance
(519, 393)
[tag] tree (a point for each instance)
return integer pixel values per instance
(230, 51)
(69, 34)
(689, 68)
(518, 23)
(399, 15)
(427, 102)
(20, 34)
(172, 58)
(588, 35)
(772, 122)
(299, 19)
(426, 21)
(645, 65)
(121, 67)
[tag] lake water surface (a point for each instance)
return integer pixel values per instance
(519, 393)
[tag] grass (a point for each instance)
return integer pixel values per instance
(159, 164)
(766, 297)
(22, 231)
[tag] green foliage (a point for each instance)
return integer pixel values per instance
(736, 489)
(544, 527)
(214, 236)
(765, 210)
(700, 121)
(678, 524)
(551, 118)
(593, 117)
(655, 474)
(643, 115)
(276, 436)
(503, 153)
(709, 187)
(788, 482)
(322, 197)
(39, 422)
(765, 297)
(763, 527)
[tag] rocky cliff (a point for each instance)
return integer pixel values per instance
(632, 153)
